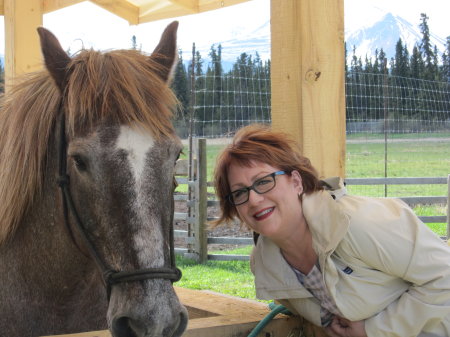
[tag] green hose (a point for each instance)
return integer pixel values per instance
(275, 310)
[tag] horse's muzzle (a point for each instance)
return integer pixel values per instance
(127, 326)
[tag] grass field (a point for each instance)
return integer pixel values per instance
(428, 156)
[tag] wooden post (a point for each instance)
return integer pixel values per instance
(448, 209)
(308, 91)
(22, 47)
(201, 199)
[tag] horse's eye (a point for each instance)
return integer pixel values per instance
(178, 157)
(79, 163)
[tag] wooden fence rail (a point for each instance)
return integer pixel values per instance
(196, 218)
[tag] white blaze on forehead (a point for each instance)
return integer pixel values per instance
(136, 142)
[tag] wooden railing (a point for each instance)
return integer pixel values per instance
(197, 204)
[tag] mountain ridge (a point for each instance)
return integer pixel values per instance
(382, 33)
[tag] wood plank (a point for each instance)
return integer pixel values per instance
(218, 315)
(201, 245)
(308, 97)
(158, 10)
(397, 181)
(448, 209)
(231, 240)
(22, 46)
(228, 257)
(190, 5)
(121, 8)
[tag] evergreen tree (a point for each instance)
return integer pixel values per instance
(199, 87)
(180, 86)
(368, 66)
(356, 63)
(382, 62)
(426, 49)
(214, 83)
(376, 63)
(436, 72)
(401, 60)
(416, 63)
(416, 71)
(446, 61)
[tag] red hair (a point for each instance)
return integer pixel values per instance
(261, 144)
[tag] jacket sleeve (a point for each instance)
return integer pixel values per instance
(414, 253)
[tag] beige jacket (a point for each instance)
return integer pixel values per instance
(380, 264)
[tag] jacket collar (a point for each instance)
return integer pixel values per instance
(274, 278)
(326, 220)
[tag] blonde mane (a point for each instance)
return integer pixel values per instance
(119, 86)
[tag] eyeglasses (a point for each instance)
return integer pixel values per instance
(260, 186)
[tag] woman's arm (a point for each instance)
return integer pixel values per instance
(419, 257)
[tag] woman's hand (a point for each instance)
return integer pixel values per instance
(341, 327)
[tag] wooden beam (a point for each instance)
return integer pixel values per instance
(150, 12)
(22, 48)
(308, 92)
(190, 5)
(121, 8)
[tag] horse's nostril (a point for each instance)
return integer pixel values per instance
(183, 323)
(122, 327)
(126, 326)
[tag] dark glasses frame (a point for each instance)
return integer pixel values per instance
(254, 187)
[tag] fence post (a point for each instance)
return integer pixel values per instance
(201, 200)
(448, 209)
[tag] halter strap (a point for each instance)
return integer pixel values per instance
(110, 276)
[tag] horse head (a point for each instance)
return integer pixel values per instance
(118, 150)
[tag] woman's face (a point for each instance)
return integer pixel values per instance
(276, 213)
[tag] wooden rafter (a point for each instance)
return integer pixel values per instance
(121, 8)
(190, 5)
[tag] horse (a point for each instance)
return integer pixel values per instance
(87, 156)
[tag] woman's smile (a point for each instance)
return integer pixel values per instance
(263, 214)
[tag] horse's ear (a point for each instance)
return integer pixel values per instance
(56, 59)
(165, 53)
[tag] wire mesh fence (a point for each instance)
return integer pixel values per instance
(225, 103)
(396, 126)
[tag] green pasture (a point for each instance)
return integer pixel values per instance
(226, 277)
(365, 158)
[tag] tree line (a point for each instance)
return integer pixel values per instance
(210, 93)
(413, 85)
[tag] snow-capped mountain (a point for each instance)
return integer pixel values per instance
(255, 41)
(381, 33)
(385, 34)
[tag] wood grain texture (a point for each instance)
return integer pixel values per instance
(308, 92)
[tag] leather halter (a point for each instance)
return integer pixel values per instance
(110, 276)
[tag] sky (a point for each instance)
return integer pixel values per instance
(87, 25)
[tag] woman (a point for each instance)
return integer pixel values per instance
(357, 266)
